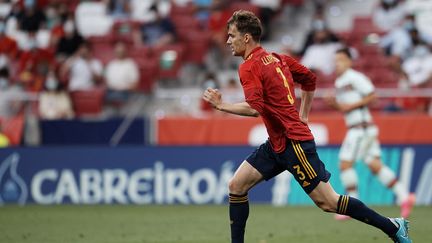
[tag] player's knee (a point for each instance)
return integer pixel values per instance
(235, 187)
(345, 165)
(326, 206)
(375, 166)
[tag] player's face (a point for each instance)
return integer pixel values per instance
(236, 41)
(342, 62)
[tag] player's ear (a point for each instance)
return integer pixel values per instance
(247, 38)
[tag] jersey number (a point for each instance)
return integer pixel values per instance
(299, 172)
(290, 98)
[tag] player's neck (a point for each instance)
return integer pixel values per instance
(249, 49)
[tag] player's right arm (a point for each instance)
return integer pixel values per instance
(214, 97)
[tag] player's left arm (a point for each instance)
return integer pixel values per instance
(301, 74)
(306, 104)
(307, 80)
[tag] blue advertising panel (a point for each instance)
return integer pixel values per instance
(97, 132)
(180, 175)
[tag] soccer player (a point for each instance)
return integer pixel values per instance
(354, 92)
(267, 80)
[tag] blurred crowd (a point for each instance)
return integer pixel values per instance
(388, 47)
(67, 58)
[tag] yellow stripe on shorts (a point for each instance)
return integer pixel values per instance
(303, 160)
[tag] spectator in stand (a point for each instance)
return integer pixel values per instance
(119, 9)
(319, 57)
(418, 67)
(318, 24)
(52, 15)
(31, 18)
(34, 64)
(54, 101)
(400, 41)
(389, 14)
(11, 96)
(83, 70)
(219, 55)
(219, 16)
(56, 13)
(122, 74)
(8, 46)
(70, 41)
(268, 9)
(202, 8)
(159, 32)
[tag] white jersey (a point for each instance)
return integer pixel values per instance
(351, 87)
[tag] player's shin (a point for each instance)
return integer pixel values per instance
(356, 209)
(239, 213)
(388, 178)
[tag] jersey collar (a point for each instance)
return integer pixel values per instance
(257, 49)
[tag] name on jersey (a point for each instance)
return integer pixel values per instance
(269, 59)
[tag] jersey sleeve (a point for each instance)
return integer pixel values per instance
(252, 86)
(363, 84)
(301, 74)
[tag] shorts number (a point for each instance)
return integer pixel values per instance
(299, 172)
(290, 98)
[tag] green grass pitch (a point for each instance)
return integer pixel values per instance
(191, 224)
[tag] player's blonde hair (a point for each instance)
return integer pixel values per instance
(246, 22)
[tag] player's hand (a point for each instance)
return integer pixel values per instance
(213, 96)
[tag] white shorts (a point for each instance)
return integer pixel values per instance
(360, 144)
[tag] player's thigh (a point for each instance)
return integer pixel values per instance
(351, 145)
(302, 160)
(265, 161)
(245, 177)
(373, 153)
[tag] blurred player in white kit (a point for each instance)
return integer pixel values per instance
(354, 92)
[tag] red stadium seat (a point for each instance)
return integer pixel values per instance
(13, 128)
(102, 47)
(176, 10)
(325, 81)
(185, 22)
(364, 24)
(148, 68)
(384, 78)
(234, 6)
(141, 52)
(196, 43)
(88, 102)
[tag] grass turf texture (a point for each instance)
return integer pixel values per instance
(187, 224)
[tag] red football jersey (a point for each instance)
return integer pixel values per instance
(268, 84)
